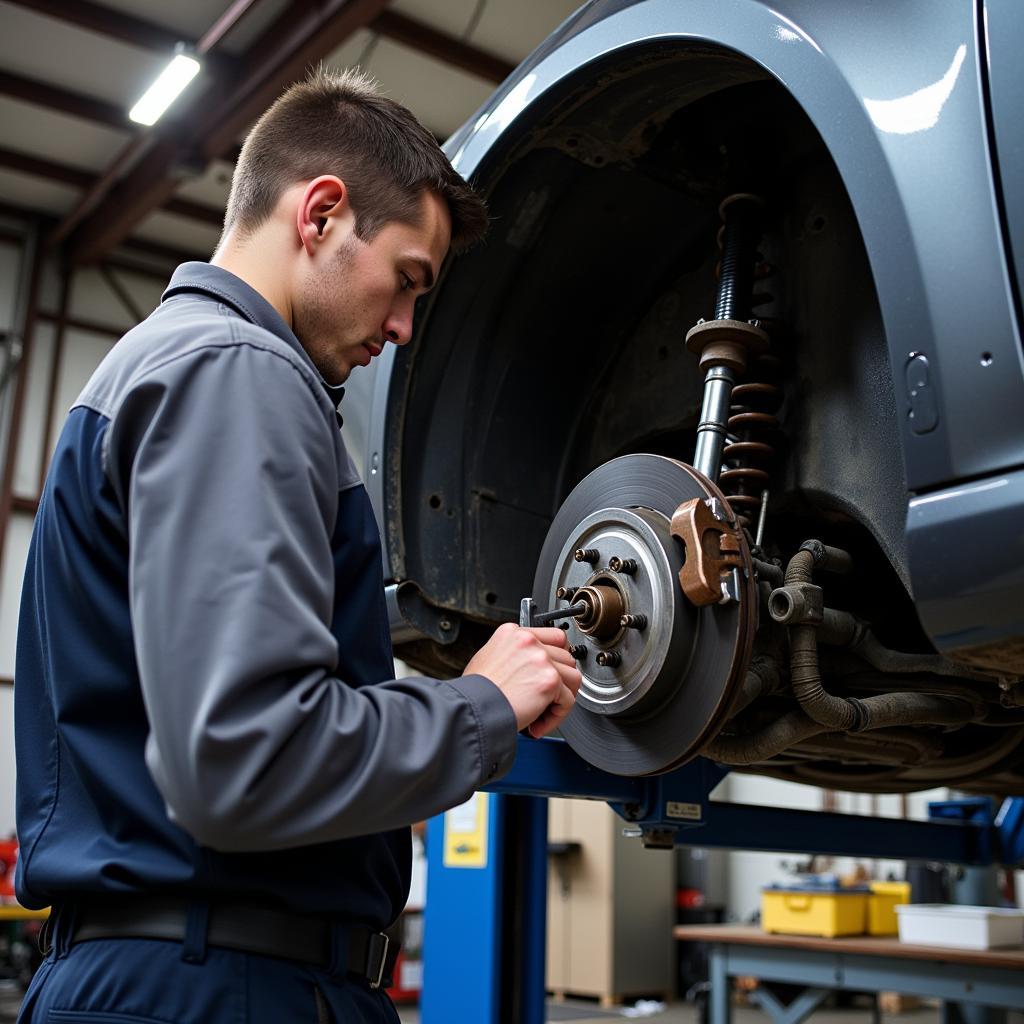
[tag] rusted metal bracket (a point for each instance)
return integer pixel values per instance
(713, 551)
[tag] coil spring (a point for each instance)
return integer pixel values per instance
(749, 458)
(753, 424)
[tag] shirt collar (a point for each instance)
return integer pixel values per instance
(206, 279)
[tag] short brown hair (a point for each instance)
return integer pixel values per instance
(339, 123)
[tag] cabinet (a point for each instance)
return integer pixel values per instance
(610, 906)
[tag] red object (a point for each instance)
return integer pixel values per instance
(8, 860)
(686, 899)
(401, 974)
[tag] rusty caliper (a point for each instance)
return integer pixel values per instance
(714, 552)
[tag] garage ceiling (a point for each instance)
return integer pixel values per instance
(71, 69)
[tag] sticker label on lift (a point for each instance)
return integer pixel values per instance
(465, 833)
(688, 812)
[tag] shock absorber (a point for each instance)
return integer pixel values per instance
(726, 343)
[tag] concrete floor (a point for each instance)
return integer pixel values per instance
(678, 1013)
(683, 1013)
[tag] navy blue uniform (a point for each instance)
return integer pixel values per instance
(204, 697)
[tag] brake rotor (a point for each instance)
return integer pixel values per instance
(659, 673)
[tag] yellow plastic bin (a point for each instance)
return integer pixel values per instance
(882, 903)
(814, 911)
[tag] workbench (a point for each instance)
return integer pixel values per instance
(991, 978)
(16, 912)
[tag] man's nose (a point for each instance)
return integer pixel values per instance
(398, 328)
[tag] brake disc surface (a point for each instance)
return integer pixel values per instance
(665, 688)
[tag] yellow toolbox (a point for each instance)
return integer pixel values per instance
(885, 897)
(814, 910)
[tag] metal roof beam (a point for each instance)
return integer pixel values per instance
(76, 177)
(195, 211)
(52, 97)
(419, 36)
(135, 31)
(168, 253)
(39, 167)
(145, 34)
(106, 21)
(206, 128)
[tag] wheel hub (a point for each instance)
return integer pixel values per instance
(659, 672)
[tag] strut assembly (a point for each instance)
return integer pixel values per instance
(725, 346)
(653, 567)
(653, 563)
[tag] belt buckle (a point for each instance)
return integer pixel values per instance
(376, 941)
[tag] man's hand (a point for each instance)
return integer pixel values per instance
(534, 671)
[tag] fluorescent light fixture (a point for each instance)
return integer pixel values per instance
(165, 90)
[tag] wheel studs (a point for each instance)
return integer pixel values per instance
(578, 651)
(633, 621)
(591, 555)
(566, 593)
(609, 659)
(627, 566)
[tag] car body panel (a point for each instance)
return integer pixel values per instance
(896, 92)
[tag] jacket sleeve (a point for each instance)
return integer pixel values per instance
(226, 463)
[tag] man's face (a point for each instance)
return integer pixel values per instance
(357, 295)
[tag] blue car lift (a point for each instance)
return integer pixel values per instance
(486, 924)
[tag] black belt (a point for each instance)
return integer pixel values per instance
(243, 927)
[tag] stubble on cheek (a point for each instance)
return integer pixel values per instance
(323, 321)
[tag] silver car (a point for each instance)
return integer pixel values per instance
(735, 387)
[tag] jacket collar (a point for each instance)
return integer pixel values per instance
(204, 279)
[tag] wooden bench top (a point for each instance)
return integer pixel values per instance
(14, 912)
(862, 945)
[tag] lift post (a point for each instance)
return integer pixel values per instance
(486, 927)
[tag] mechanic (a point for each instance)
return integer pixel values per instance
(216, 771)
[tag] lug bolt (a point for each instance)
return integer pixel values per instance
(609, 659)
(566, 593)
(633, 621)
(590, 555)
(626, 566)
(578, 651)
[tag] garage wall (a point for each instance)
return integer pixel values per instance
(748, 873)
(12, 263)
(77, 318)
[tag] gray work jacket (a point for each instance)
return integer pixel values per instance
(203, 695)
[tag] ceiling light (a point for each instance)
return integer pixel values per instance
(162, 93)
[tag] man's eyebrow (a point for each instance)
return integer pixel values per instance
(426, 270)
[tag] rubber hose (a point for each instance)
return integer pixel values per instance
(851, 714)
(885, 660)
(762, 677)
(836, 713)
(894, 747)
(783, 733)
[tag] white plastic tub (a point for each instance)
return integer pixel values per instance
(944, 924)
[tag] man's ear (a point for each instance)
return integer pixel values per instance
(322, 198)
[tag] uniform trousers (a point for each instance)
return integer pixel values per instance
(148, 981)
